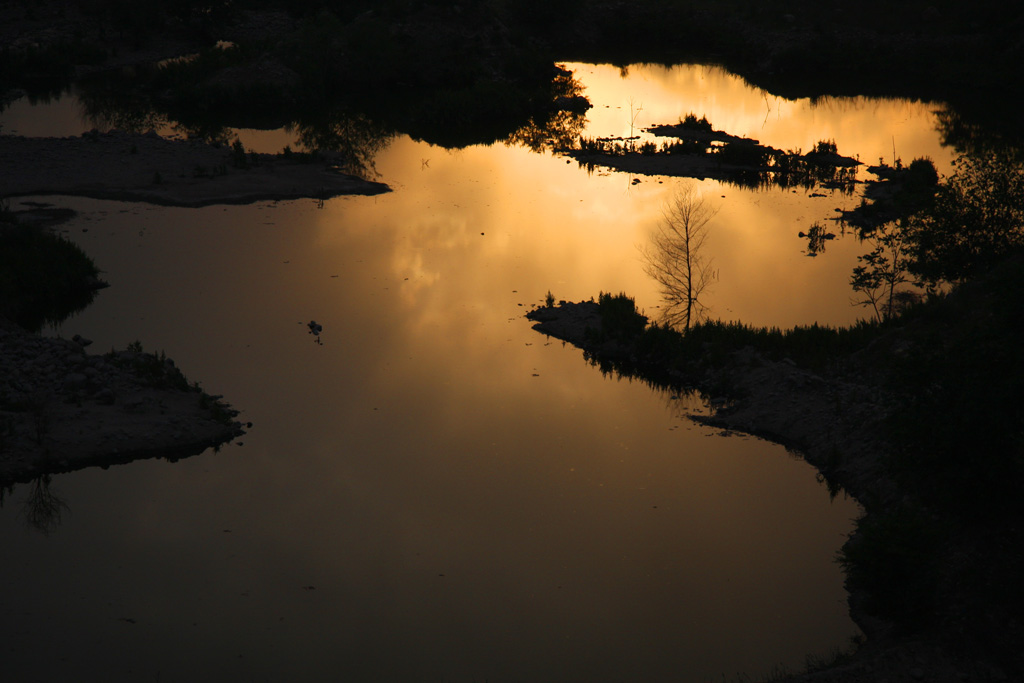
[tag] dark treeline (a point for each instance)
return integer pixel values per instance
(463, 72)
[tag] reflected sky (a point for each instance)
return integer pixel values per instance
(579, 234)
(466, 499)
(437, 492)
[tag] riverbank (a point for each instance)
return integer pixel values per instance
(172, 172)
(61, 408)
(932, 585)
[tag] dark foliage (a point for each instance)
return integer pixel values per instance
(893, 558)
(976, 220)
(960, 434)
(620, 320)
(44, 278)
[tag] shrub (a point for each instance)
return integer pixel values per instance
(619, 317)
(976, 220)
(43, 277)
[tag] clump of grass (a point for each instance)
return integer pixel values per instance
(620, 319)
(825, 147)
(691, 122)
(155, 370)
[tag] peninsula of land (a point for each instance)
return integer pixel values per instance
(172, 172)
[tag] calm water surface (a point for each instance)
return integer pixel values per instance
(438, 493)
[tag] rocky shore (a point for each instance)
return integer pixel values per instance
(62, 409)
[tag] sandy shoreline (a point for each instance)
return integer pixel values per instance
(148, 168)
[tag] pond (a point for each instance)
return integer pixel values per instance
(434, 491)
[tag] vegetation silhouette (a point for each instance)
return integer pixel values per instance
(817, 236)
(882, 271)
(946, 556)
(677, 260)
(899, 192)
(975, 221)
(358, 138)
(701, 152)
(199, 98)
(44, 278)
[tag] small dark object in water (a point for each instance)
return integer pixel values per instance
(315, 327)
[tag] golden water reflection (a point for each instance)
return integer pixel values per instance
(548, 225)
(468, 499)
(438, 492)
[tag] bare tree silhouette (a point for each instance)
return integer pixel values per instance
(675, 257)
(882, 271)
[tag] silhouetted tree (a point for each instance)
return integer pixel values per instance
(977, 219)
(882, 271)
(676, 260)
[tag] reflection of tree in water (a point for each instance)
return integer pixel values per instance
(676, 258)
(108, 109)
(358, 138)
(560, 130)
(110, 105)
(789, 170)
(562, 125)
(817, 237)
(973, 138)
(355, 136)
(43, 508)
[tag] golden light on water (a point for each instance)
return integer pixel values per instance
(865, 128)
(483, 222)
(453, 484)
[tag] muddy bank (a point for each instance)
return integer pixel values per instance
(148, 168)
(835, 421)
(62, 409)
